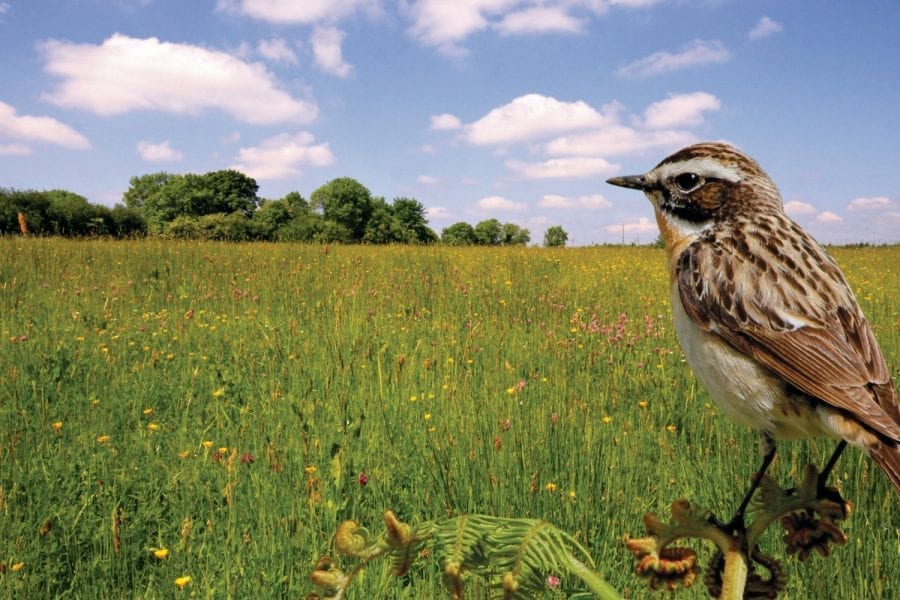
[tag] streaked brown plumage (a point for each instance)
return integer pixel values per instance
(766, 319)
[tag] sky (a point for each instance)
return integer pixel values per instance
(517, 110)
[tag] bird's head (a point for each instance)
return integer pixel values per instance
(704, 185)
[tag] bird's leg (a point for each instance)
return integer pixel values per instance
(822, 490)
(736, 524)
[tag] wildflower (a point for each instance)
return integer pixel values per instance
(606, 419)
(17, 567)
(102, 439)
(57, 426)
(206, 444)
(148, 412)
(362, 479)
(182, 581)
(161, 553)
(153, 426)
(643, 404)
(184, 453)
(550, 487)
(428, 416)
(671, 428)
(572, 495)
(553, 581)
(247, 458)
(310, 469)
(219, 393)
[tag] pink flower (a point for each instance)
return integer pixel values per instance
(553, 581)
(363, 479)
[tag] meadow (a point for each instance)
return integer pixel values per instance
(174, 410)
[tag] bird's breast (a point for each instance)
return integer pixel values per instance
(746, 392)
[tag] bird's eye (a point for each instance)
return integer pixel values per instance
(687, 181)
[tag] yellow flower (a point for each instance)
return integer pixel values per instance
(643, 404)
(207, 444)
(671, 428)
(182, 581)
(219, 393)
(102, 439)
(606, 419)
(18, 566)
(148, 411)
(153, 426)
(57, 425)
(184, 453)
(572, 494)
(427, 416)
(161, 553)
(550, 487)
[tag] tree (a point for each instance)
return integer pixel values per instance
(410, 216)
(142, 187)
(271, 215)
(458, 234)
(488, 232)
(555, 237)
(127, 222)
(31, 204)
(231, 191)
(513, 235)
(382, 226)
(345, 202)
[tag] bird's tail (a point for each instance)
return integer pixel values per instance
(887, 456)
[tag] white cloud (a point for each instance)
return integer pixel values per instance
(871, 203)
(282, 156)
(617, 140)
(326, 45)
(14, 150)
(540, 19)
(499, 203)
(593, 202)
(277, 50)
(577, 166)
(642, 225)
(427, 180)
(293, 11)
(444, 24)
(161, 152)
(125, 74)
(828, 217)
(698, 52)
(532, 116)
(4, 7)
(445, 121)
(680, 110)
(438, 213)
(799, 208)
(764, 28)
(38, 129)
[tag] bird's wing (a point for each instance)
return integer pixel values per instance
(803, 323)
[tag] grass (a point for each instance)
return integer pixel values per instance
(223, 402)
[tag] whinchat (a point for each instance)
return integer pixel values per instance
(765, 317)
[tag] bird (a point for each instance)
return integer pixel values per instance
(764, 316)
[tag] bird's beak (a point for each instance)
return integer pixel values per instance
(634, 182)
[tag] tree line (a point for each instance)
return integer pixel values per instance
(224, 205)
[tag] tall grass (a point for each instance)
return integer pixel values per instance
(232, 404)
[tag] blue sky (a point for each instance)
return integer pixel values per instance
(511, 109)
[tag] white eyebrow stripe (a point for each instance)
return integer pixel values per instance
(705, 167)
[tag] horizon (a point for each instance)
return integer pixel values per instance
(517, 110)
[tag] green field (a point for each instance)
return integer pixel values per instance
(222, 401)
